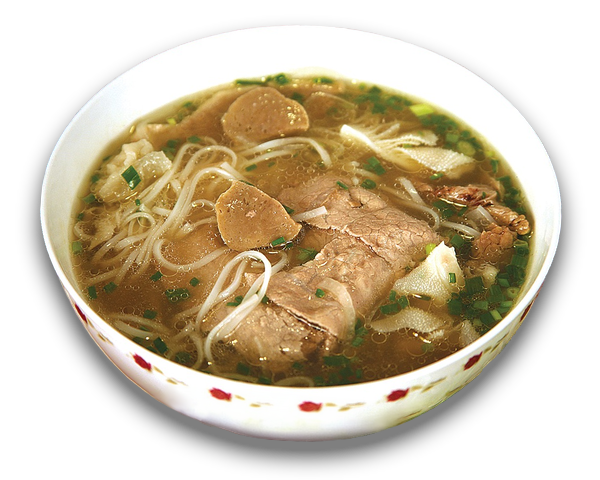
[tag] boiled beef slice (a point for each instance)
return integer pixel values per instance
(372, 245)
(395, 236)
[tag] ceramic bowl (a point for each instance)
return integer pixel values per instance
(284, 412)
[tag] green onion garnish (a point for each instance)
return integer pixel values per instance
(306, 254)
(368, 184)
(132, 177)
(249, 168)
(374, 165)
(160, 345)
(194, 282)
(76, 247)
(194, 139)
(421, 109)
(429, 248)
(436, 176)
(342, 185)
(474, 285)
(177, 294)
(320, 293)
(390, 308)
(451, 277)
(91, 198)
(92, 293)
(236, 301)
(149, 314)
(288, 210)
(277, 241)
(156, 276)
(110, 287)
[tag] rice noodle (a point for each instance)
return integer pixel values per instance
(461, 228)
(281, 142)
(249, 302)
(411, 190)
(303, 216)
(480, 216)
(420, 206)
(187, 266)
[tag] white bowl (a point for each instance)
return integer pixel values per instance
(281, 412)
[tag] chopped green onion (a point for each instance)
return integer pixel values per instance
(494, 164)
(421, 109)
(322, 80)
(288, 210)
(374, 165)
(194, 139)
(320, 293)
(495, 294)
(306, 254)
(503, 280)
(76, 247)
(110, 287)
(457, 241)
(487, 319)
(368, 184)
(481, 305)
(92, 293)
(451, 277)
(430, 247)
(455, 306)
(342, 185)
(264, 300)
(452, 137)
(512, 292)
(243, 369)
(194, 282)
(91, 198)
(402, 301)
(160, 345)
(474, 285)
(390, 308)
(177, 294)
(149, 314)
(156, 276)
(236, 301)
(436, 176)
(183, 358)
(466, 148)
(277, 241)
(249, 168)
(132, 177)
(519, 261)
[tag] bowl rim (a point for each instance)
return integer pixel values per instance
(505, 324)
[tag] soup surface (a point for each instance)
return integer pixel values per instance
(301, 231)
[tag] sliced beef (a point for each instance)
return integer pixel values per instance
(392, 234)
(372, 244)
(367, 277)
(249, 218)
(263, 114)
(275, 339)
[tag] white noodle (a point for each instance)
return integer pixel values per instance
(272, 144)
(303, 216)
(232, 320)
(461, 228)
(156, 250)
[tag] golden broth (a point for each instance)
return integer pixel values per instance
(137, 302)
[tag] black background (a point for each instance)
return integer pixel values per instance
(522, 399)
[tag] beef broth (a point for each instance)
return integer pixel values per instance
(346, 189)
